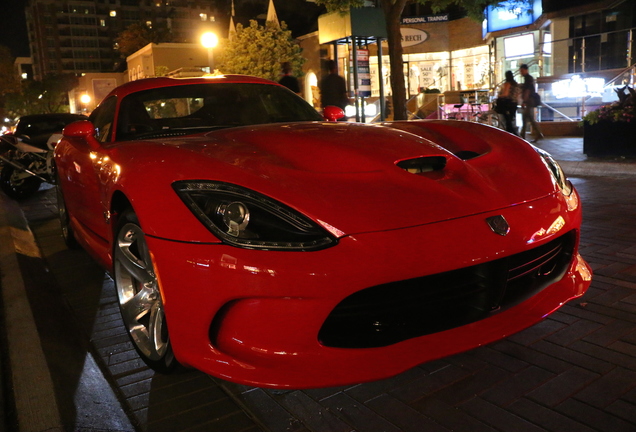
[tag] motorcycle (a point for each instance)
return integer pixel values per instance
(26, 156)
(26, 164)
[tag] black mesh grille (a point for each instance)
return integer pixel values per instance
(386, 314)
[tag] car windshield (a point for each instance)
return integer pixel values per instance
(180, 110)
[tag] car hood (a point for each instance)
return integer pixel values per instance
(362, 178)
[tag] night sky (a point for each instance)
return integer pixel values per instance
(299, 15)
(13, 33)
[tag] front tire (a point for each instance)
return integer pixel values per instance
(15, 185)
(65, 221)
(139, 295)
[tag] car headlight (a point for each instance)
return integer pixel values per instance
(244, 218)
(557, 173)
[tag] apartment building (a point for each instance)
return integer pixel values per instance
(77, 36)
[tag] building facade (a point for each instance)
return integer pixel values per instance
(566, 43)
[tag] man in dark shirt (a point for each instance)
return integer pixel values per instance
(288, 80)
(333, 88)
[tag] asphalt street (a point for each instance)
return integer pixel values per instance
(71, 367)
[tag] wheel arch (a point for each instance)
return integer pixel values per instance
(118, 204)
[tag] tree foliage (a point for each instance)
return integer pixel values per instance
(260, 50)
(41, 97)
(340, 5)
(137, 36)
(8, 81)
(474, 8)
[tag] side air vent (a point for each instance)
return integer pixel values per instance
(423, 164)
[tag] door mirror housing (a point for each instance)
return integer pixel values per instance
(333, 113)
(84, 130)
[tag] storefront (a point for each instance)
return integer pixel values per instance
(436, 62)
(518, 36)
(458, 58)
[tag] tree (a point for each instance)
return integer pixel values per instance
(260, 50)
(8, 80)
(137, 36)
(41, 97)
(393, 12)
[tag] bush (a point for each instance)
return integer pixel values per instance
(623, 110)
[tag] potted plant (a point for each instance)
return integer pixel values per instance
(610, 130)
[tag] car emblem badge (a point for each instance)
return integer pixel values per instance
(498, 224)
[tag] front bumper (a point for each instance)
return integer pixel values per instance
(254, 317)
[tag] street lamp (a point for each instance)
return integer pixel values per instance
(209, 40)
(85, 99)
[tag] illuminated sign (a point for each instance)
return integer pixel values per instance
(547, 43)
(578, 87)
(511, 14)
(519, 46)
(364, 72)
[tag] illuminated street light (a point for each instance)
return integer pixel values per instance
(210, 40)
(85, 99)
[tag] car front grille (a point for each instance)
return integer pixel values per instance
(386, 314)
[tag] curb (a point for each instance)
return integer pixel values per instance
(597, 168)
(58, 383)
(33, 389)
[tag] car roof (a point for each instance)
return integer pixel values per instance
(151, 83)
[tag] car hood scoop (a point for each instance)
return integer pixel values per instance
(362, 178)
(423, 165)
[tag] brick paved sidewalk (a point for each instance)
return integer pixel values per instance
(575, 371)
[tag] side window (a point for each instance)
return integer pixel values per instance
(102, 119)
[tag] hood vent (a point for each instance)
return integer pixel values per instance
(467, 154)
(422, 165)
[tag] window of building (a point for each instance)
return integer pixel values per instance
(599, 40)
(132, 15)
(113, 13)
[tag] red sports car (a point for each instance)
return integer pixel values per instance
(253, 240)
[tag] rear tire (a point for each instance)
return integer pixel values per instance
(139, 295)
(15, 186)
(65, 221)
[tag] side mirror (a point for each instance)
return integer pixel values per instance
(333, 113)
(84, 130)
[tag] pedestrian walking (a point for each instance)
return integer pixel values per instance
(530, 100)
(288, 80)
(333, 88)
(507, 102)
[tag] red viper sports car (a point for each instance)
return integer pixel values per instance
(253, 240)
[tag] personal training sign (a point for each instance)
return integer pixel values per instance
(425, 19)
